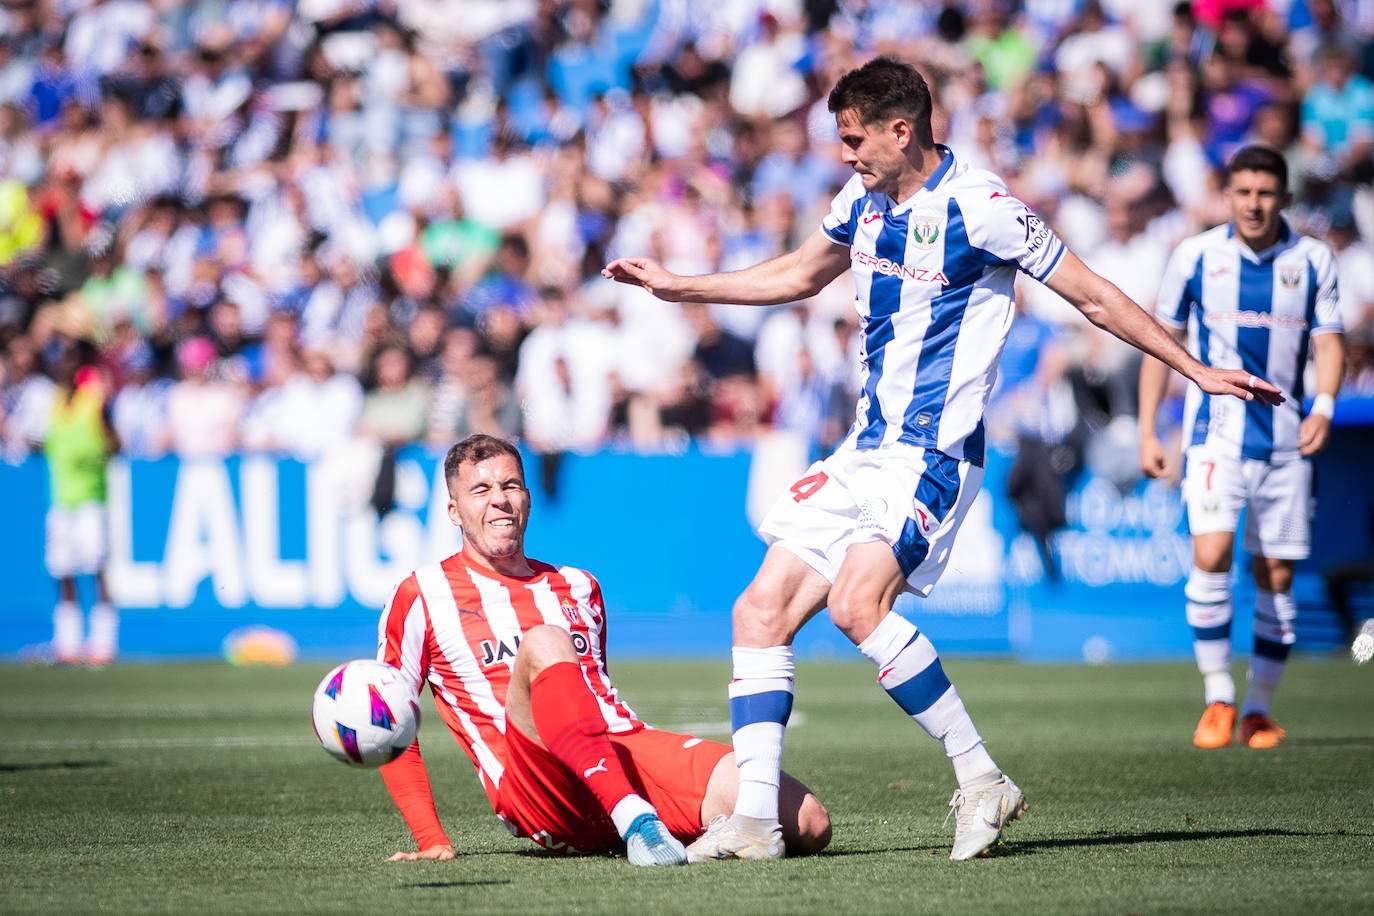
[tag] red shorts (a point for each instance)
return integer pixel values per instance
(542, 799)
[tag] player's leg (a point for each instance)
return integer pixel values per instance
(805, 821)
(1277, 534)
(1275, 613)
(60, 558)
(910, 672)
(550, 703)
(785, 593)
(1213, 494)
(102, 641)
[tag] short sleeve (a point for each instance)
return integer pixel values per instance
(838, 224)
(1010, 231)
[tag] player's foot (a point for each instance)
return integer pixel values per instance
(648, 842)
(1362, 649)
(725, 839)
(980, 813)
(1259, 731)
(1216, 725)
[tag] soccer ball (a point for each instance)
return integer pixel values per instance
(365, 713)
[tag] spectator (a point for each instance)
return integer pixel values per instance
(203, 413)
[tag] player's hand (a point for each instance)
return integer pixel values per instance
(1152, 459)
(645, 273)
(1239, 383)
(1313, 433)
(441, 852)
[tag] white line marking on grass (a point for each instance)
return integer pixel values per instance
(158, 744)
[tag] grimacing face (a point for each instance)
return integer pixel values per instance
(1256, 201)
(488, 500)
(874, 151)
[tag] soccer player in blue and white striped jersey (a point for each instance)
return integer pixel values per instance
(934, 246)
(1251, 295)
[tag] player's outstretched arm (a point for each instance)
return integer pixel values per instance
(797, 275)
(408, 782)
(1106, 306)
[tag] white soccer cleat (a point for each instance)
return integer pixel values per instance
(980, 813)
(1362, 649)
(648, 842)
(724, 839)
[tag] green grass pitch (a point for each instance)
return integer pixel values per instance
(198, 787)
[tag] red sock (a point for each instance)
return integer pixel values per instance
(571, 726)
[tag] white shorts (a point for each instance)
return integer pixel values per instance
(76, 543)
(911, 498)
(1278, 524)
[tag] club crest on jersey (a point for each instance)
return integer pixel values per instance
(1290, 277)
(927, 229)
(569, 609)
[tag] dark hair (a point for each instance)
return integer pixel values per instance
(478, 448)
(1259, 159)
(885, 88)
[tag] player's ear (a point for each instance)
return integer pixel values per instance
(453, 512)
(901, 132)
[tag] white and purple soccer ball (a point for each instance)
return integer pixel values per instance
(365, 713)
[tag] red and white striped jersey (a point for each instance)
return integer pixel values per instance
(457, 626)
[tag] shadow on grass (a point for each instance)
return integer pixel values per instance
(1342, 741)
(1015, 847)
(53, 765)
(442, 884)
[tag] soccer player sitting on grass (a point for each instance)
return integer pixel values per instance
(514, 651)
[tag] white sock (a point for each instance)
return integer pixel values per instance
(909, 670)
(1209, 614)
(626, 810)
(66, 631)
(103, 642)
(760, 705)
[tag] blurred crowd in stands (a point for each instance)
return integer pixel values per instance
(289, 225)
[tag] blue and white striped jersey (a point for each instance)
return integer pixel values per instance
(1255, 312)
(934, 277)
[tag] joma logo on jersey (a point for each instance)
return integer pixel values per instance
(498, 651)
(904, 271)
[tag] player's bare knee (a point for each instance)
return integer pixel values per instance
(760, 618)
(854, 612)
(813, 828)
(543, 646)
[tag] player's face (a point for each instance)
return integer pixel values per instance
(874, 151)
(1256, 200)
(491, 505)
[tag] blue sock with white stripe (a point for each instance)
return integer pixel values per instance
(909, 670)
(760, 704)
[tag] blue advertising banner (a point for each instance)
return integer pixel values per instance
(200, 549)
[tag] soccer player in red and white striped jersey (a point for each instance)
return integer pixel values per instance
(514, 652)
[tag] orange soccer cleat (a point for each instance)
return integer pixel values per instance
(1259, 731)
(1216, 725)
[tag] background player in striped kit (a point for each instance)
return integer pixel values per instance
(934, 246)
(514, 651)
(1255, 296)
